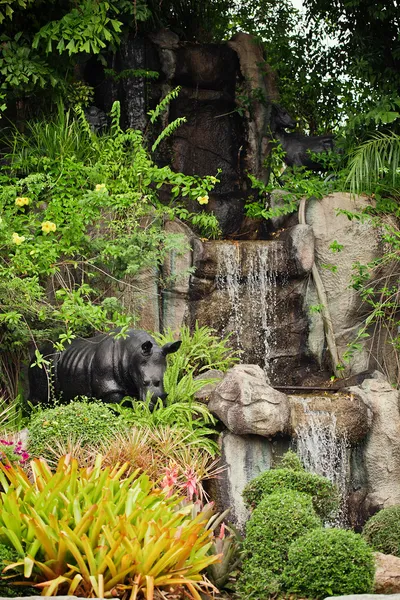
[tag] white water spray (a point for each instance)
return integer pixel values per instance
(324, 452)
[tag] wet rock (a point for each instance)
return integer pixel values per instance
(301, 247)
(387, 575)
(353, 418)
(245, 403)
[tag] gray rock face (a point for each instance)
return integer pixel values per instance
(361, 243)
(245, 457)
(381, 456)
(245, 403)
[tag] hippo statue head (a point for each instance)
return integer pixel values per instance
(151, 368)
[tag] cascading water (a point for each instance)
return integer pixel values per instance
(324, 452)
(247, 272)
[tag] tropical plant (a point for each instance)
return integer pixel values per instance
(201, 349)
(96, 532)
(329, 562)
(275, 523)
(382, 531)
(193, 419)
(323, 493)
(374, 163)
(175, 458)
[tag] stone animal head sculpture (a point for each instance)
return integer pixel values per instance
(107, 368)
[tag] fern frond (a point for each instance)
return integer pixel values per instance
(154, 114)
(168, 131)
(115, 114)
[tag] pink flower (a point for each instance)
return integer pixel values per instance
(222, 532)
(170, 478)
(190, 483)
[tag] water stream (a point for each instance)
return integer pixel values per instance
(324, 452)
(247, 271)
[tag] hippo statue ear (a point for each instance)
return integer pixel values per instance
(147, 348)
(171, 347)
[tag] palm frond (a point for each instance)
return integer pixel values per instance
(374, 159)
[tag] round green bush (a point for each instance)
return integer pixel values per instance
(84, 422)
(382, 531)
(329, 562)
(278, 520)
(323, 492)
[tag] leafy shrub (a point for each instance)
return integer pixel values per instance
(323, 492)
(86, 422)
(382, 531)
(278, 519)
(329, 562)
(95, 532)
(86, 206)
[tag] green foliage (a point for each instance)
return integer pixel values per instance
(382, 531)
(323, 492)
(77, 208)
(96, 532)
(374, 161)
(295, 183)
(87, 28)
(275, 523)
(186, 415)
(7, 555)
(86, 422)
(329, 562)
(200, 351)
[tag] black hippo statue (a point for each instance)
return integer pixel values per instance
(104, 367)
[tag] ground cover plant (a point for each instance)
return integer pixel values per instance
(95, 532)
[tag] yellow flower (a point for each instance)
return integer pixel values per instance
(22, 201)
(100, 187)
(202, 199)
(17, 239)
(48, 226)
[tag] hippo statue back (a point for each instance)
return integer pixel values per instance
(104, 367)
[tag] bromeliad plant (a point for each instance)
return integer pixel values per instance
(92, 533)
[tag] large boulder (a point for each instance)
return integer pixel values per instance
(387, 575)
(246, 404)
(381, 455)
